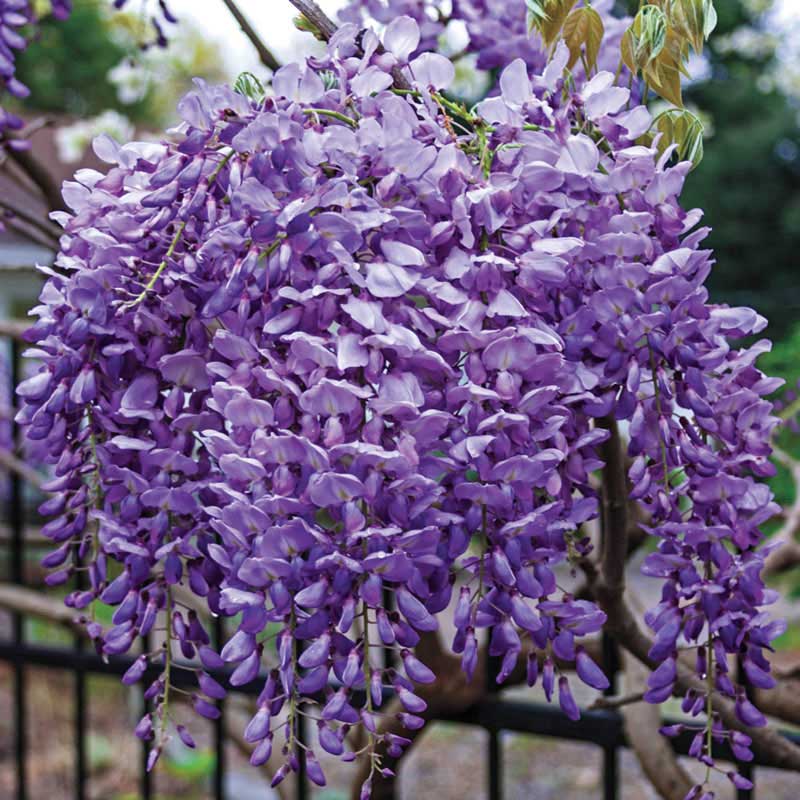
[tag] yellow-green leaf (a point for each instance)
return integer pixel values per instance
(536, 13)
(628, 48)
(583, 33)
(557, 11)
(665, 80)
(663, 74)
(650, 34)
(696, 20)
(682, 128)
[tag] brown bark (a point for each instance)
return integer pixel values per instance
(265, 55)
(655, 755)
(327, 28)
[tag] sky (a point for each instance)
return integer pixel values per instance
(273, 20)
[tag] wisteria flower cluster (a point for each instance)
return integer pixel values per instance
(344, 357)
(498, 31)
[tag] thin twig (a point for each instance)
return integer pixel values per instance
(14, 329)
(40, 176)
(617, 701)
(14, 464)
(30, 233)
(266, 56)
(43, 225)
(326, 27)
(32, 602)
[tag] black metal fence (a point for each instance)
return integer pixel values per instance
(495, 714)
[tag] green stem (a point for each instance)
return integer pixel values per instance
(661, 443)
(373, 756)
(173, 245)
(167, 668)
(709, 687)
(326, 112)
(292, 717)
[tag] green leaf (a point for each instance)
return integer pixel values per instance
(648, 36)
(536, 14)
(583, 32)
(696, 19)
(663, 74)
(681, 127)
(250, 86)
(556, 14)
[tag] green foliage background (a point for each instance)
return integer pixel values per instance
(66, 66)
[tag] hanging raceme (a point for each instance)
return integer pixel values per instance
(380, 344)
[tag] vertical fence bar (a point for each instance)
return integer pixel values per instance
(494, 753)
(16, 521)
(610, 755)
(145, 777)
(745, 770)
(80, 700)
(302, 792)
(219, 725)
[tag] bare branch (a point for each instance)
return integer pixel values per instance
(14, 464)
(327, 28)
(316, 16)
(782, 701)
(617, 701)
(47, 228)
(33, 603)
(788, 554)
(265, 55)
(14, 329)
(31, 234)
(654, 752)
(615, 512)
(39, 176)
(624, 627)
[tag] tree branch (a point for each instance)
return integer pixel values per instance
(47, 228)
(265, 55)
(327, 28)
(14, 464)
(13, 329)
(787, 555)
(655, 754)
(40, 176)
(33, 603)
(624, 627)
(615, 512)
(316, 16)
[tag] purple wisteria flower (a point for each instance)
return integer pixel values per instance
(327, 349)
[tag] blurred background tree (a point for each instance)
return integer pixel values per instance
(101, 69)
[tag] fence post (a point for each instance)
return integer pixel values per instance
(610, 755)
(745, 770)
(494, 752)
(219, 723)
(80, 700)
(17, 564)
